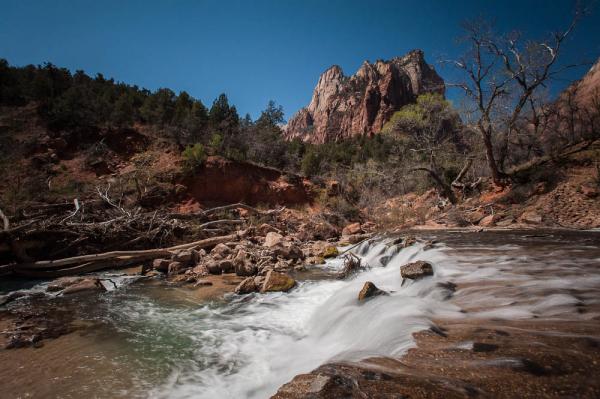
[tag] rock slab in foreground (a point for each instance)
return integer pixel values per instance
(416, 270)
(370, 290)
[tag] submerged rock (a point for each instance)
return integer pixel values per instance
(86, 284)
(370, 290)
(416, 270)
(275, 281)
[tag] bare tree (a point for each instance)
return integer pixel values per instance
(502, 74)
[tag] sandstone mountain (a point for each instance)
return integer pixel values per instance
(360, 104)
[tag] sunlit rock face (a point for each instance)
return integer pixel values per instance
(345, 106)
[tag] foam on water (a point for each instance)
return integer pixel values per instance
(250, 345)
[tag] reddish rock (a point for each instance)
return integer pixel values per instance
(352, 229)
(275, 281)
(370, 290)
(246, 286)
(361, 104)
(416, 270)
(531, 217)
(86, 284)
(272, 239)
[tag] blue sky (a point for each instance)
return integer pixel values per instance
(259, 50)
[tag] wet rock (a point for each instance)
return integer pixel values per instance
(369, 290)
(153, 273)
(86, 284)
(12, 296)
(272, 239)
(275, 281)
(62, 283)
(227, 266)
(203, 283)
(416, 270)
(351, 229)
(213, 267)
(161, 264)
(175, 268)
(247, 286)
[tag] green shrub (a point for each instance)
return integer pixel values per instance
(193, 156)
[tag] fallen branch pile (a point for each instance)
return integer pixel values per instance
(73, 230)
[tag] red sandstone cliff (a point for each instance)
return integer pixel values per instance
(360, 104)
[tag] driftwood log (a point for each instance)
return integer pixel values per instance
(95, 262)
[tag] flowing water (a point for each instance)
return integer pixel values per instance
(160, 342)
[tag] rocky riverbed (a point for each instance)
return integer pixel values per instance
(459, 315)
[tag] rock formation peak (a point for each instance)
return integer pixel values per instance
(345, 106)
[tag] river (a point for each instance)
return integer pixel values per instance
(144, 340)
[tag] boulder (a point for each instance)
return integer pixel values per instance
(416, 270)
(488, 221)
(330, 251)
(351, 229)
(370, 290)
(353, 239)
(275, 281)
(185, 257)
(86, 284)
(161, 264)
(474, 217)
(213, 267)
(272, 239)
(227, 266)
(290, 251)
(531, 217)
(505, 222)
(247, 286)
(221, 251)
(175, 268)
(243, 264)
(61, 283)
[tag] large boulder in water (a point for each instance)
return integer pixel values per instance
(87, 284)
(275, 281)
(416, 270)
(370, 290)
